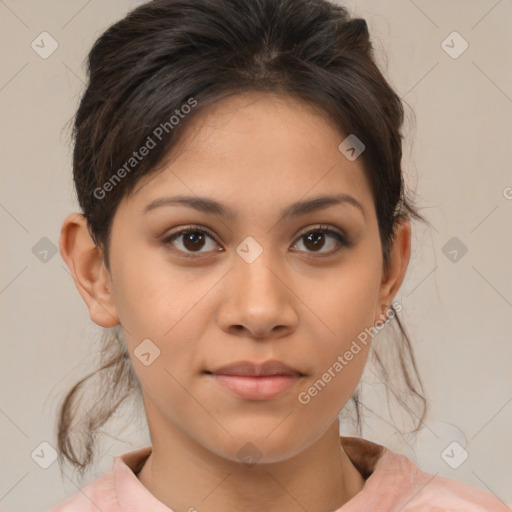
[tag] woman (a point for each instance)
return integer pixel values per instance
(244, 223)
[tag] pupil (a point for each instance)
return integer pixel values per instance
(315, 238)
(193, 238)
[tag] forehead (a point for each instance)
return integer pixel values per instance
(257, 149)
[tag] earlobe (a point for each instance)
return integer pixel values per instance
(399, 260)
(85, 262)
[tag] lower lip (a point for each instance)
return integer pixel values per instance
(257, 388)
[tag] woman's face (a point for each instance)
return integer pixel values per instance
(253, 285)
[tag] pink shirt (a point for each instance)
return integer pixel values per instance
(393, 483)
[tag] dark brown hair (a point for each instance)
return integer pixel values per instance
(167, 54)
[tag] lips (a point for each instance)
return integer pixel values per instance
(256, 381)
(249, 369)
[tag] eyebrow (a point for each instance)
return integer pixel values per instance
(213, 207)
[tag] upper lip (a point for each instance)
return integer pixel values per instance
(248, 368)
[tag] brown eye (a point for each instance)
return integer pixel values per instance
(316, 239)
(191, 240)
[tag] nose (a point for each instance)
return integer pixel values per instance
(257, 300)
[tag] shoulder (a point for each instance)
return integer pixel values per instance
(98, 495)
(448, 495)
(115, 491)
(419, 491)
(396, 484)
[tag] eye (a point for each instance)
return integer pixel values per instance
(315, 240)
(193, 239)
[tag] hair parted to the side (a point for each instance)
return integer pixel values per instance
(145, 67)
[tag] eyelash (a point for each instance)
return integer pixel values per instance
(343, 240)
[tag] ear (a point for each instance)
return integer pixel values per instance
(85, 261)
(399, 260)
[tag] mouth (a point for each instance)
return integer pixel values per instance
(254, 381)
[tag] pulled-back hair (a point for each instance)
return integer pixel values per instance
(151, 73)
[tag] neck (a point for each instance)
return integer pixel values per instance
(320, 479)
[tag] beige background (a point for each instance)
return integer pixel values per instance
(458, 155)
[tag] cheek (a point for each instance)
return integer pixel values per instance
(152, 296)
(346, 301)
(162, 305)
(345, 305)
(160, 311)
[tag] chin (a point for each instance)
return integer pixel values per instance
(259, 448)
